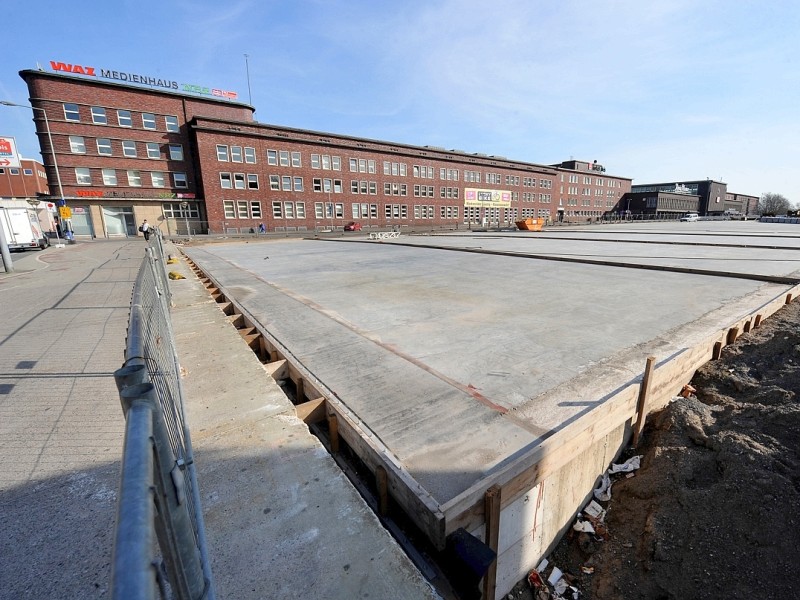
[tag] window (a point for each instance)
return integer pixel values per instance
(124, 118)
(286, 183)
(171, 123)
(153, 151)
(236, 154)
(109, 177)
(252, 181)
(298, 184)
(296, 159)
(225, 181)
(176, 152)
(277, 210)
(27, 171)
(288, 208)
(104, 146)
(180, 180)
(238, 181)
(173, 210)
(148, 120)
(318, 210)
(315, 164)
(222, 153)
(83, 176)
(134, 179)
(255, 209)
(250, 155)
(272, 157)
(129, 148)
(71, 112)
(326, 162)
(354, 166)
(157, 177)
(241, 209)
(99, 115)
(284, 158)
(300, 208)
(274, 182)
(336, 162)
(76, 144)
(228, 207)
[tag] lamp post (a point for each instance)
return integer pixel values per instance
(52, 150)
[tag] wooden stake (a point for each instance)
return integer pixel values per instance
(733, 333)
(382, 482)
(491, 509)
(300, 396)
(747, 326)
(333, 429)
(758, 321)
(788, 298)
(641, 405)
(717, 352)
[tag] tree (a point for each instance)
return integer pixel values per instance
(773, 204)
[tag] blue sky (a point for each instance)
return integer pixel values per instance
(674, 90)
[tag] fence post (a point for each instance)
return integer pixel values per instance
(173, 523)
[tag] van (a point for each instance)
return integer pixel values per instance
(21, 229)
(690, 217)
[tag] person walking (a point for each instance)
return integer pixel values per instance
(145, 229)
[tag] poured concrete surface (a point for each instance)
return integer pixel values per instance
(458, 362)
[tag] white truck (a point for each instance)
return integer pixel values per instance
(21, 229)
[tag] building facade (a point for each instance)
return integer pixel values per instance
(202, 164)
(26, 187)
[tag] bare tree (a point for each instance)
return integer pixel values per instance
(773, 204)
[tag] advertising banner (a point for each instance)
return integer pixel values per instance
(487, 198)
(8, 152)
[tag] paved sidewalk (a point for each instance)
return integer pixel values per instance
(62, 335)
(282, 520)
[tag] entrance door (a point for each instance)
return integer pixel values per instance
(81, 221)
(119, 221)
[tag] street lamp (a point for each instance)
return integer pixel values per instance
(52, 150)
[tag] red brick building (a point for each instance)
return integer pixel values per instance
(126, 153)
(28, 181)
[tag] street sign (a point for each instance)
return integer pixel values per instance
(65, 212)
(8, 152)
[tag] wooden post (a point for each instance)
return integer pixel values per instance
(333, 429)
(788, 298)
(491, 509)
(641, 404)
(758, 321)
(747, 326)
(382, 482)
(733, 333)
(717, 352)
(300, 396)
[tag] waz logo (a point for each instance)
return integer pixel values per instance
(81, 70)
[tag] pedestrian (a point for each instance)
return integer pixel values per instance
(261, 228)
(145, 229)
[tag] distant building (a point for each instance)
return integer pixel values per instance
(127, 153)
(714, 198)
(26, 186)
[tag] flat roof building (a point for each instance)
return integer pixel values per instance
(126, 153)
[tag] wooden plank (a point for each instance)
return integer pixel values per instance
(492, 501)
(641, 405)
(717, 351)
(747, 326)
(788, 299)
(313, 411)
(277, 369)
(757, 321)
(333, 432)
(382, 482)
(300, 394)
(733, 333)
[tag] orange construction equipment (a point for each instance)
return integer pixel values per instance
(530, 224)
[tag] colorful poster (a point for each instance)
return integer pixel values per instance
(487, 198)
(8, 152)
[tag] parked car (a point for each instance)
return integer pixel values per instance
(690, 217)
(352, 226)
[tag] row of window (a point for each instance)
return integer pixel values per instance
(531, 197)
(125, 118)
(77, 145)
(588, 202)
(28, 172)
(158, 179)
(587, 180)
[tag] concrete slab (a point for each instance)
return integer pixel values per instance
(459, 362)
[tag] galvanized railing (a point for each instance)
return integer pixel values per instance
(158, 492)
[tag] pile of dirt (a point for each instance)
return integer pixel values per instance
(714, 510)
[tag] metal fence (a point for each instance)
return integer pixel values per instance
(158, 493)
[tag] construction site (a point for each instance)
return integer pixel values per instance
(477, 385)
